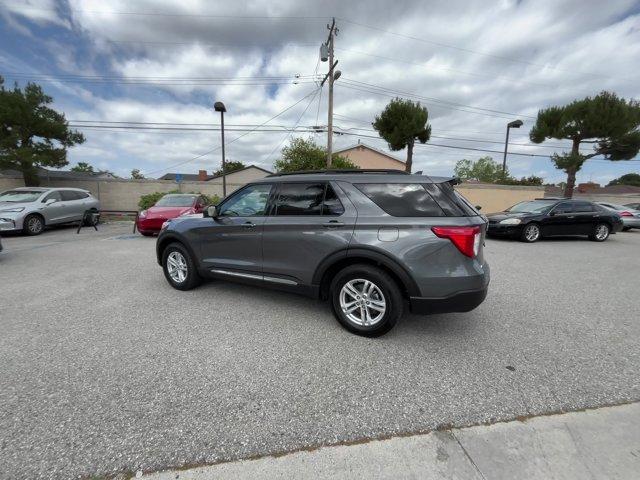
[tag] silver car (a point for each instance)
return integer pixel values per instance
(30, 209)
(630, 217)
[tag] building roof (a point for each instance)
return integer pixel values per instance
(364, 145)
(194, 177)
(62, 174)
(213, 177)
(186, 177)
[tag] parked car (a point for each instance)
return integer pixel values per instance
(168, 207)
(531, 220)
(366, 240)
(635, 206)
(630, 217)
(30, 209)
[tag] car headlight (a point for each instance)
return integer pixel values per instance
(16, 209)
(143, 213)
(165, 225)
(511, 221)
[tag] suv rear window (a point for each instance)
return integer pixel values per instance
(308, 199)
(402, 199)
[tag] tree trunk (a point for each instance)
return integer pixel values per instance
(573, 169)
(571, 182)
(409, 164)
(30, 175)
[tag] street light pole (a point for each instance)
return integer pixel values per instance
(219, 107)
(514, 124)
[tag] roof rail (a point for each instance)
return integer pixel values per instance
(340, 171)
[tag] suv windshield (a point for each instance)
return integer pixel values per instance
(175, 201)
(535, 206)
(20, 196)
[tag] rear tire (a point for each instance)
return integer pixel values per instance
(600, 232)
(33, 224)
(366, 300)
(179, 267)
(530, 233)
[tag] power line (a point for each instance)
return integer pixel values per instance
(432, 99)
(166, 14)
(295, 126)
(438, 67)
(467, 50)
(236, 138)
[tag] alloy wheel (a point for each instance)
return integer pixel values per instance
(34, 225)
(362, 302)
(532, 233)
(177, 267)
(602, 231)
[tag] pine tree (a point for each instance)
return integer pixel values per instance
(31, 133)
(609, 123)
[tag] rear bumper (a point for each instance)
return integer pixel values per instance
(631, 222)
(459, 302)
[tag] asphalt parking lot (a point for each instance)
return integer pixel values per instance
(105, 368)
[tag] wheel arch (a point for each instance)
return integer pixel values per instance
(331, 265)
(167, 239)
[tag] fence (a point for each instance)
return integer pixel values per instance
(120, 194)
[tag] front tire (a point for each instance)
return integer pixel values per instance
(33, 224)
(600, 233)
(366, 300)
(179, 267)
(531, 233)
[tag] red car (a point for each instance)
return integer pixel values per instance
(170, 206)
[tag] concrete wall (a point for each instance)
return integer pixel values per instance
(495, 198)
(366, 158)
(117, 194)
(619, 199)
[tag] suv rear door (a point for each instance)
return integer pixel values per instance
(309, 221)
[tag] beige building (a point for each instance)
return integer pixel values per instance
(365, 156)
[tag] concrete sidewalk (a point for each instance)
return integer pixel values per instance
(596, 444)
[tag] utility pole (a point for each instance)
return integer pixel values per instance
(333, 30)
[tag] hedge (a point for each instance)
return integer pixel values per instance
(149, 200)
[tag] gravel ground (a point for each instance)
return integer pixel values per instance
(105, 368)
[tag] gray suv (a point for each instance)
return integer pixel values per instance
(30, 209)
(368, 241)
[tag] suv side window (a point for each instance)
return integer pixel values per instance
(402, 199)
(53, 195)
(68, 195)
(300, 199)
(248, 202)
(331, 204)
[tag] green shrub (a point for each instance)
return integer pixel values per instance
(150, 199)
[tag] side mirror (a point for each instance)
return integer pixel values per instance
(553, 214)
(210, 211)
(50, 201)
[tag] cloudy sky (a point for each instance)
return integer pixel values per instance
(476, 65)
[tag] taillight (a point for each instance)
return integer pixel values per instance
(466, 239)
(626, 214)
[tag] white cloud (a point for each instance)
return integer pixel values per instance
(507, 56)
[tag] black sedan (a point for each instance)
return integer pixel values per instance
(531, 220)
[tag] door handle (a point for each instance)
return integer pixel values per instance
(333, 224)
(248, 225)
(571, 216)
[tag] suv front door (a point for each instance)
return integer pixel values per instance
(53, 212)
(232, 242)
(309, 221)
